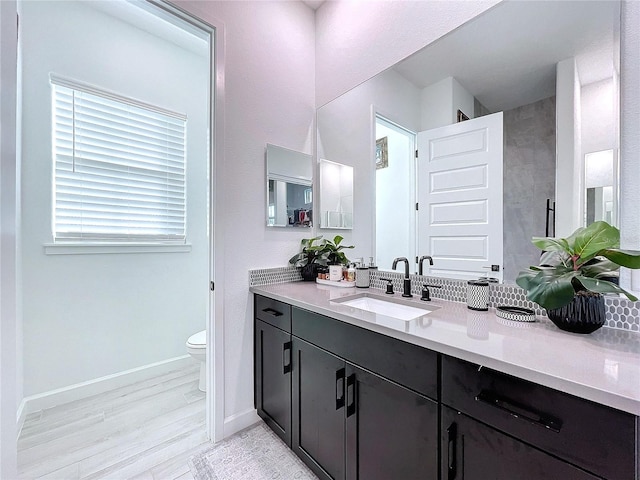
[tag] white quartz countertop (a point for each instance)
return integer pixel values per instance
(603, 366)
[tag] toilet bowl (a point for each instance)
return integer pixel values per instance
(197, 348)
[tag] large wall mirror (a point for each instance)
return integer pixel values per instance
(543, 75)
(289, 188)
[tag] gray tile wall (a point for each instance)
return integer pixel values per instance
(529, 179)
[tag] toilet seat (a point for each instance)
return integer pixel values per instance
(198, 340)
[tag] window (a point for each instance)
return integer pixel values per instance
(119, 168)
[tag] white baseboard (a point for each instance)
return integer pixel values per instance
(96, 386)
(22, 414)
(240, 421)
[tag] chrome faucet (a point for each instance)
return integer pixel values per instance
(407, 281)
(422, 259)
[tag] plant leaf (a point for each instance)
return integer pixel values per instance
(337, 239)
(603, 286)
(549, 288)
(587, 242)
(598, 267)
(555, 258)
(626, 258)
(551, 244)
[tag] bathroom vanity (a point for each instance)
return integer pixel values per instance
(453, 394)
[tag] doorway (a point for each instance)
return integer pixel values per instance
(99, 313)
(395, 187)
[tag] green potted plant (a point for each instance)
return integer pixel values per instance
(313, 255)
(332, 250)
(573, 274)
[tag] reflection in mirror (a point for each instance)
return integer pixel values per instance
(600, 170)
(552, 68)
(336, 195)
(395, 222)
(289, 188)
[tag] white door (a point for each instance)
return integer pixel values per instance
(460, 198)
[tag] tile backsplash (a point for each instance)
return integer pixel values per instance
(622, 314)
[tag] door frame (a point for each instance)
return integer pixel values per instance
(215, 316)
(9, 210)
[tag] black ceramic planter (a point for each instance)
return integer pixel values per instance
(309, 272)
(585, 314)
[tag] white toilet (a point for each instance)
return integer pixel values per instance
(197, 348)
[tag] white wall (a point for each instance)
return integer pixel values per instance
(396, 99)
(356, 40)
(462, 100)
(598, 116)
(441, 102)
(87, 316)
(568, 160)
(437, 104)
(8, 261)
(269, 77)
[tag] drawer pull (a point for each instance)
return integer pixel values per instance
(452, 435)
(340, 389)
(518, 410)
(351, 394)
(286, 358)
(272, 312)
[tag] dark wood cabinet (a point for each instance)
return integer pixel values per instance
(475, 451)
(392, 432)
(355, 404)
(272, 350)
(319, 410)
(352, 424)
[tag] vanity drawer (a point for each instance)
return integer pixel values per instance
(403, 363)
(592, 436)
(273, 312)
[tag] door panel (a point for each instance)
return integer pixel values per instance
(318, 409)
(460, 197)
(392, 432)
(474, 451)
(273, 378)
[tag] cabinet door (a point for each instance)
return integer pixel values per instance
(318, 409)
(474, 451)
(273, 378)
(392, 432)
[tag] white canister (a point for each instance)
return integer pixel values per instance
(478, 295)
(335, 273)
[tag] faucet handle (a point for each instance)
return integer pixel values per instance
(426, 296)
(389, 285)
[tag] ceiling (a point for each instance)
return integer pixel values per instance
(313, 4)
(507, 56)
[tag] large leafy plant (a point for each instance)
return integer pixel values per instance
(323, 253)
(586, 261)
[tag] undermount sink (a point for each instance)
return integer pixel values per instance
(388, 306)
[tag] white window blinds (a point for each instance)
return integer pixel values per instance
(119, 168)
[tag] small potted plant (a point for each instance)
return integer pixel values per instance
(313, 255)
(573, 274)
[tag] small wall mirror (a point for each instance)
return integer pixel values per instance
(336, 195)
(289, 188)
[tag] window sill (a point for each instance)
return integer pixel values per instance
(118, 248)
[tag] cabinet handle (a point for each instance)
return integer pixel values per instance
(351, 394)
(518, 410)
(340, 388)
(286, 357)
(452, 461)
(272, 312)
